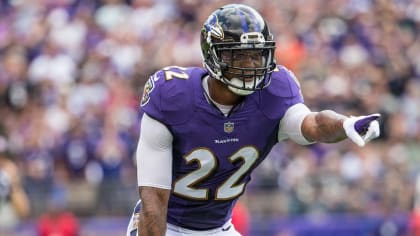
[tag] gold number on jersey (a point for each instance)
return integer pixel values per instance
(231, 188)
(207, 164)
(170, 74)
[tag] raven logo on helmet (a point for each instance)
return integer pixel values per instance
(214, 28)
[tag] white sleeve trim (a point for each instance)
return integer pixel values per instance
(154, 154)
(291, 123)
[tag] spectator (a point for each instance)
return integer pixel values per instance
(14, 204)
(57, 220)
(241, 218)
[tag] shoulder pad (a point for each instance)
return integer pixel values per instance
(284, 83)
(282, 93)
(168, 94)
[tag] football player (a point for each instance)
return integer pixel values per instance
(204, 130)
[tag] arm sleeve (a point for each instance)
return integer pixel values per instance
(154, 154)
(290, 124)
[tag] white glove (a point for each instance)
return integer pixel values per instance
(362, 129)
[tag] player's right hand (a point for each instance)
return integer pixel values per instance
(362, 129)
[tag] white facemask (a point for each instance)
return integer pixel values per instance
(241, 92)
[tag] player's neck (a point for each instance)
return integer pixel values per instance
(221, 94)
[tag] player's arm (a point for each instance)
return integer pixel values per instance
(324, 126)
(154, 172)
(152, 220)
(306, 127)
(330, 127)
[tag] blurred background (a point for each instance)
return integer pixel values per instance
(71, 76)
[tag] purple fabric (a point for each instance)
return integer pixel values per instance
(181, 104)
(362, 125)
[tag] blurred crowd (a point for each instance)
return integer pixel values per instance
(72, 72)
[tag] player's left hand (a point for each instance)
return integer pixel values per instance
(362, 129)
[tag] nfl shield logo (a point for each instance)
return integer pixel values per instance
(228, 127)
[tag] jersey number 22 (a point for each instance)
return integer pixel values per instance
(207, 163)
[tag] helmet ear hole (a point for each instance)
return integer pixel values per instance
(273, 66)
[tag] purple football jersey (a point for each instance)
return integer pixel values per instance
(214, 155)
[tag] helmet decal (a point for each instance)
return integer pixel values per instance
(213, 27)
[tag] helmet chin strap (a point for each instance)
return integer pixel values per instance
(241, 92)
